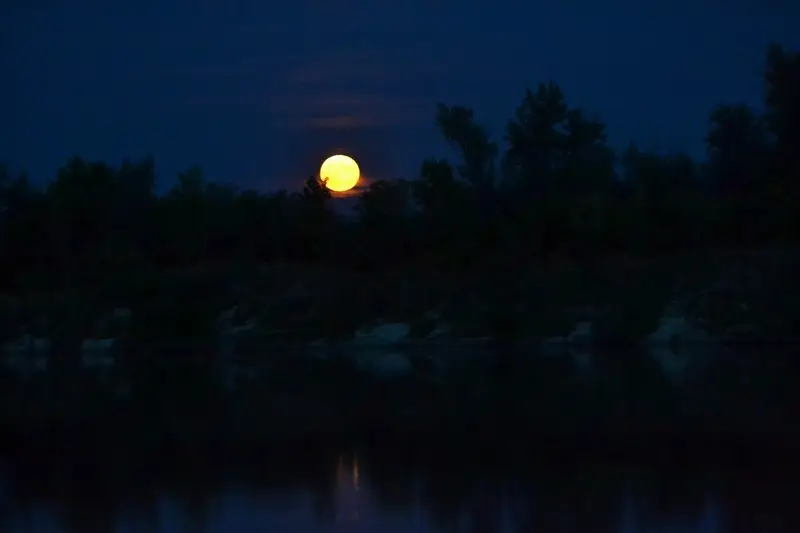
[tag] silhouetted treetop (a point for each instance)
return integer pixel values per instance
(553, 185)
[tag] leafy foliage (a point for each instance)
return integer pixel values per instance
(553, 187)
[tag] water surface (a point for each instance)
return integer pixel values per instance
(383, 491)
(441, 449)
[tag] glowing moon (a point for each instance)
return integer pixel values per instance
(340, 173)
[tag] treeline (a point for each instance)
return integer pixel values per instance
(554, 186)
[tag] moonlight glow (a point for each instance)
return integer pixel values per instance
(340, 173)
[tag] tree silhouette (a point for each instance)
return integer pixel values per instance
(738, 148)
(535, 142)
(551, 186)
(476, 150)
(783, 105)
(384, 215)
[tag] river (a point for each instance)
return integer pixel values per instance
(384, 491)
(183, 455)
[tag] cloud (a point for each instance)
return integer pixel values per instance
(359, 66)
(257, 64)
(355, 70)
(339, 122)
(321, 110)
(384, 118)
(326, 111)
(344, 90)
(321, 73)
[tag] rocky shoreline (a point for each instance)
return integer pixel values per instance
(681, 316)
(33, 353)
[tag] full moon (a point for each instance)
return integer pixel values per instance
(340, 173)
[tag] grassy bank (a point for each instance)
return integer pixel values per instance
(186, 404)
(169, 385)
(736, 294)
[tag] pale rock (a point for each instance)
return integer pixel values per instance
(438, 364)
(673, 365)
(318, 343)
(27, 353)
(582, 359)
(226, 317)
(121, 313)
(228, 332)
(581, 334)
(552, 343)
(235, 374)
(97, 352)
(39, 362)
(439, 333)
(384, 365)
(391, 333)
(27, 345)
(296, 292)
(434, 315)
(250, 325)
(676, 327)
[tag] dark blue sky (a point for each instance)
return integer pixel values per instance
(258, 92)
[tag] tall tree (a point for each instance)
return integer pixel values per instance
(738, 148)
(316, 219)
(782, 78)
(384, 214)
(478, 152)
(550, 144)
(534, 138)
(442, 200)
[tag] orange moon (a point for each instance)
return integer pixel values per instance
(340, 173)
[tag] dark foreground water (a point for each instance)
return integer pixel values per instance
(391, 491)
(501, 443)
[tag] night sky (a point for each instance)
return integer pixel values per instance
(257, 92)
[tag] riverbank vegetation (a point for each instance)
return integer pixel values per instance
(527, 240)
(554, 194)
